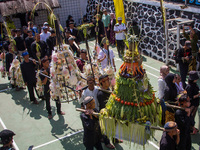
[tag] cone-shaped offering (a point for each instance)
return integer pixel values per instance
(132, 105)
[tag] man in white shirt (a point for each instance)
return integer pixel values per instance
(92, 90)
(106, 55)
(45, 34)
(120, 29)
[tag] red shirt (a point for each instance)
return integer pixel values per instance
(80, 63)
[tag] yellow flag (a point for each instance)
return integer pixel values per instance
(119, 9)
(163, 13)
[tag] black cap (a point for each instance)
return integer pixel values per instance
(83, 51)
(52, 31)
(193, 75)
(6, 136)
(102, 77)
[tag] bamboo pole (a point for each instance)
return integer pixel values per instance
(98, 114)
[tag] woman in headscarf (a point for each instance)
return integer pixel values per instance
(170, 96)
(112, 24)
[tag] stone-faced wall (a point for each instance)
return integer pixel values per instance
(153, 43)
(104, 4)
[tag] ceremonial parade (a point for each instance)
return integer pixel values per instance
(99, 74)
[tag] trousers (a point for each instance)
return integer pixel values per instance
(120, 47)
(48, 104)
(31, 87)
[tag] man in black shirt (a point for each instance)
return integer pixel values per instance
(102, 99)
(38, 48)
(46, 70)
(51, 42)
(25, 34)
(74, 48)
(99, 28)
(170, 137)
(92, 131)
(73, 32)
(9, 58)
(101, 95)
(29, 75)
(184, 59)
(6, 43)
(20, 44)
(28, 41)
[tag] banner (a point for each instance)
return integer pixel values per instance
(119, 10)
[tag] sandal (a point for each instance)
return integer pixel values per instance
(110, 146)
(197, 129)
(50, 117)
(115, 140)
(61, 113)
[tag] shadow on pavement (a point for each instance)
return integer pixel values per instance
(74, 142)
(59, 126)
(4, 86)
(21, 98)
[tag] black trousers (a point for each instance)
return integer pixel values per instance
(48, 104)
(107, 33)
(31, 87)
(98, 146)
(120, 47)
(183, 72)
(106, 140)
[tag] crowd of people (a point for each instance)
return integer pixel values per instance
(34, 51)
(179, 123)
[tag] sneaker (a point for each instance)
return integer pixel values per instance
(110, 146)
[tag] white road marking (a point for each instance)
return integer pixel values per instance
(153, 144)
(4, 126)
(152, 74)
(5, 89)
(57, 139)
(151, 67)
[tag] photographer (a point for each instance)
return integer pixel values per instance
(193, 38)
(184, 58)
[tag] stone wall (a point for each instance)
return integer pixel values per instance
(91, 5)
(150, 17)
